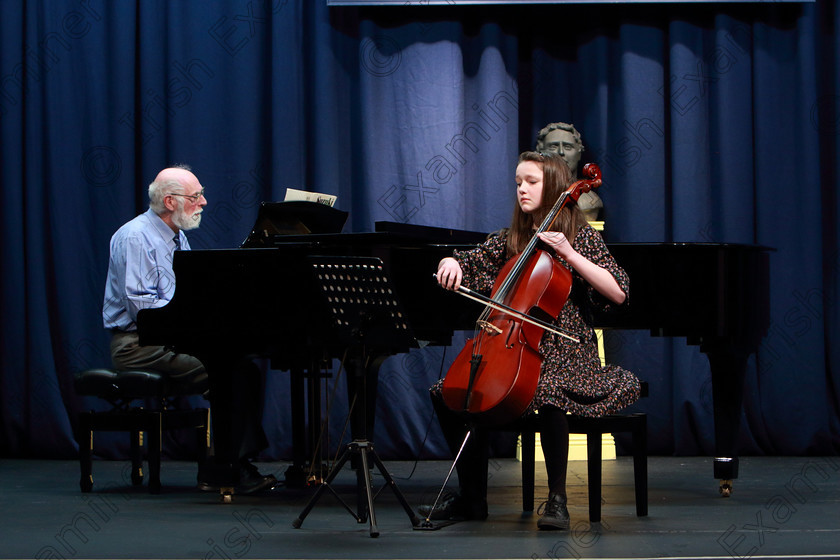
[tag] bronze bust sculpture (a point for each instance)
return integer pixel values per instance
(563, 139)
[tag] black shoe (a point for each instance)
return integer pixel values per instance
(553, 513)
(251, 481)
(211, 475)
(452, 506)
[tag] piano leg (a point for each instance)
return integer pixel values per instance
(236, 414)
(295, 475)
(728, 365)
(222, 468)
(307, 440)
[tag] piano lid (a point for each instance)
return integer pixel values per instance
(439, 234)
(296, 217)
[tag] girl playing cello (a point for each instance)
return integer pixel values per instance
(571, 378)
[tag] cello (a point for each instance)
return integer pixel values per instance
(494, 377)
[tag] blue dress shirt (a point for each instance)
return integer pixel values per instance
(140, 272)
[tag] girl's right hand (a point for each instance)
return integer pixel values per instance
(449, 274)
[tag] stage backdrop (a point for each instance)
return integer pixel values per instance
(711, 123)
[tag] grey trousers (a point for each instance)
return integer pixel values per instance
(243, 421)
(127, 353)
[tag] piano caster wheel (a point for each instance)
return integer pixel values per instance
(227, 494)
(725, 488)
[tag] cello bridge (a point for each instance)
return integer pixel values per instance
(489, 328)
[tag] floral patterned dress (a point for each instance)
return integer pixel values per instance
(572, 377)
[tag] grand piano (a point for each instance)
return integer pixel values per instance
(282, 313)
(715, 295)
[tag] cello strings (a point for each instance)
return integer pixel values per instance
(527, 318)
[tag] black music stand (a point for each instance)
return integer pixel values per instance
(365, 313)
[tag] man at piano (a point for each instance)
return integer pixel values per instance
(140, 276)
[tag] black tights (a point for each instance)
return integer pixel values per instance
(554, 438)
(472, 465)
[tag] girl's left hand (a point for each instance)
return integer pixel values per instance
(557, 241)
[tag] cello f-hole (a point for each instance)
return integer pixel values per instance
(508, 344)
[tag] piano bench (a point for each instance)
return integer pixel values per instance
(593, 428)
(157, 412)
(636, 424)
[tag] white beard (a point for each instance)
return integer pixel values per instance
(185, 221)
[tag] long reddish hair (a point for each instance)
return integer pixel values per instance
(556, 179)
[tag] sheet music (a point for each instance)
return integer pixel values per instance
(295, 194)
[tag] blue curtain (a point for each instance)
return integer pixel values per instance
(711, 123)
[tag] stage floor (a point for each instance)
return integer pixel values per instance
(783, 507)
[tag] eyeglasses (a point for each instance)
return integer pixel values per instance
(193, 197)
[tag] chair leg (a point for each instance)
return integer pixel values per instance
(140, 424)
(136, 457)
(85, 440)
(528, 467)
(202, 434)
(155, 428)
(640, 473)
(593, 460)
